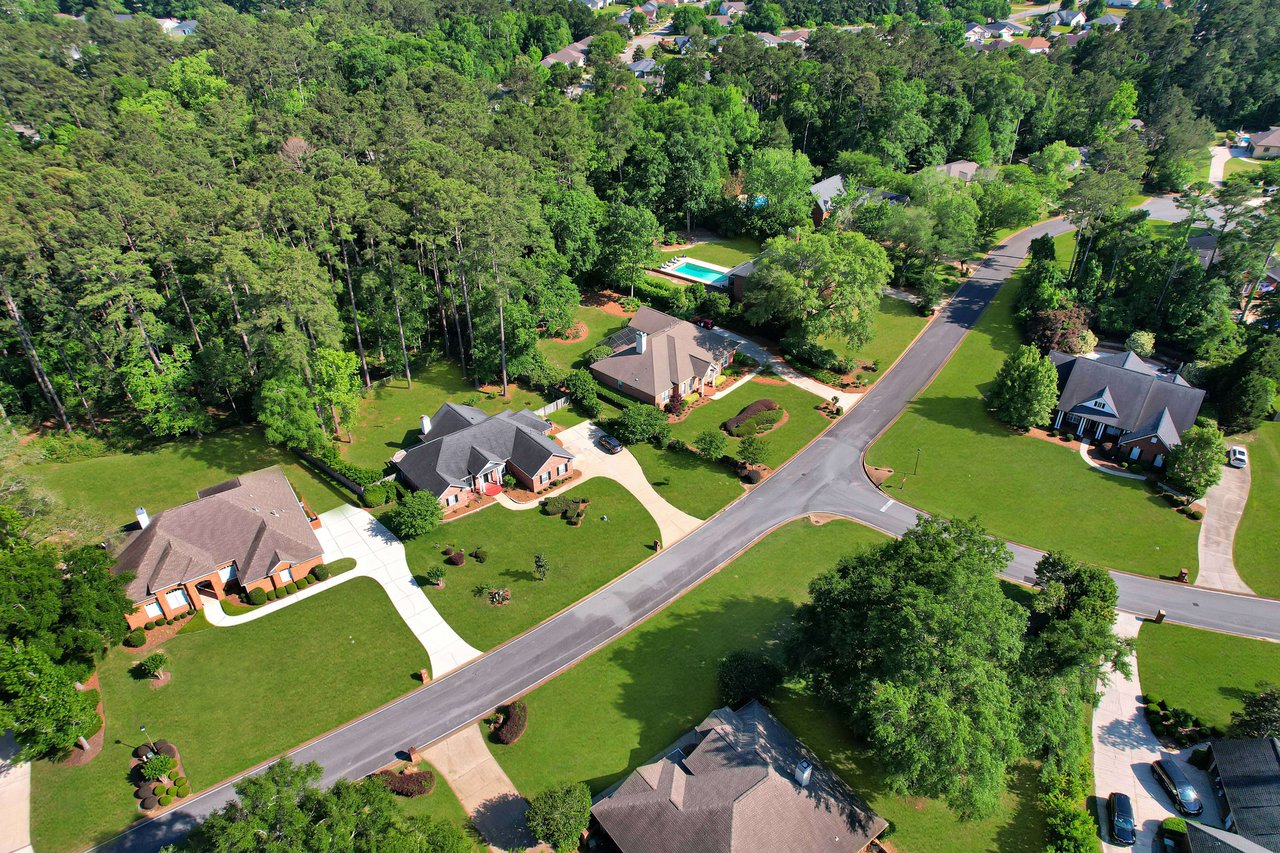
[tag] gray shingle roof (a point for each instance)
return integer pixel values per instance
(965, 170)
(675, 351)
(254, 521)
(827, 190)
(1250, 773)
(1209, 839)
(1266, 137)
(1143, 400)
(464, 442)
(735, 792)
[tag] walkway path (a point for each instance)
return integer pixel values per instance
(789, 373)
(1123, 749)
(1115, 472)
(15, 799)
(492, 802)
(1224, 504)
(351, 532)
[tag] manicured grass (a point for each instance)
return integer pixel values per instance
(1258, 537)
(600, 324)
(1164, 228)
(1036, 492)
(725, 252)
(110, 487)
(582, 559)
(897, 324)
(440, 804)
(701, 488)
(1239, 165)
(238, 697)
(1204, 672)
(653, 685)
(389, 417)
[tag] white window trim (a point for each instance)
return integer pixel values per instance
(451, 500)
(286, 575)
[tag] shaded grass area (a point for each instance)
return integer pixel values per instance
(897, 324)
(238, 696)
(1204, 672)
(701, 487)
(389, 417)
(1258, 537)
(1239, 165)
(600, 324)
(110, 487)
(1022, 488)
(582, 559)
(657, 682)
(723, 251)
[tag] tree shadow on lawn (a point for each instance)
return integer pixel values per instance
(962, 413)
(410, 438)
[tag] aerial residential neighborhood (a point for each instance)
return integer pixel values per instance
(563, 425)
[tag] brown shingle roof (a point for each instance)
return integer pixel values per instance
(675, 351)
(735, 792)
(254, 521)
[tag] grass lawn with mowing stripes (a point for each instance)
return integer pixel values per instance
(1258, 537)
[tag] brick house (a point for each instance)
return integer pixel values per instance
(465, 453)
(658, 355)
(1122, 398)
(252, 532)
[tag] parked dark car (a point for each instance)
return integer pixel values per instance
(703, 322)
(1176, 784)
(609, 444)
(1120, 814)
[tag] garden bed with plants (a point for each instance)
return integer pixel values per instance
(1177, 727)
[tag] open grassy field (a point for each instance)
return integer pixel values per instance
(1258, 537)
(110, 487)
(897, 324)
(653, 685)
(1036, 492)
(600, 324)
(388, 418)
(1204, 672)
(725, 251)
(701, 488)
(582, 559)
(238, 696)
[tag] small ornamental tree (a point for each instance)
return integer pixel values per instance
(153, 665)
(417, 515)
(1141, 343)
(157, 766)
(540, 567)
(1260, 716)
(1195, 465)
(642, 423)
(752, 450)
(559, 816)
(1025, 389)
(711, 444)
(581, 387)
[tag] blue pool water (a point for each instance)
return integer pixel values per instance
(693, 269)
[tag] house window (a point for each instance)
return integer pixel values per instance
(724, 362)
(666, 395)
(545, 477)
(152, 609)
(1098, 404)
(1153, 439)
(451, 500)
(177, 598)
(286, 576)
(563, 469)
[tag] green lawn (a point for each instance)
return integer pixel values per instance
(1239, 165)
(582, 560)
(600, 324)
(389, 417)
(701, 488)
(440, 804)
(1021, 488)
(1164, 228)
(108, 488)
(1204, 672)
(725, 252)
(238, 697)
(897, 324)
(1258, 537)
(653, 685)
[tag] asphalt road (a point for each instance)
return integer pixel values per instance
(825, 477)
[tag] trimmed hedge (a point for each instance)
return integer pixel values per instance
(357, 474)
(290, 588)
(757, 423)
(320, 572)
(514, 724)
(413, 784)
(749, 412)
(257, 596)
(303, 582)
(149, 803)
(135, 638)
(378, 494)
(619, 400)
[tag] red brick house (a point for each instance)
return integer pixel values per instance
(252, 532)
(657, 356)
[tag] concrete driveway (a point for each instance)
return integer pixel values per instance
(15, 799)
(1224, 505)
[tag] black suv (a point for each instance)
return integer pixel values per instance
(1120, 811)
(1175, 782)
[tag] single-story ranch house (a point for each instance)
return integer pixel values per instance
(1123, 398)
(739, 783)
(465, 452)
(248, 533)
(1265, 144)
(658, 355)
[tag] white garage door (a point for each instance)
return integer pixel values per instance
(177, 598)
(153, 610)
(286, 576)
(227, 574)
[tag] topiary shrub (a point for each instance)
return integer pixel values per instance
(480, 555)
(183, 792)
(753, 476)
(135, 638)
(149, 803)
(181, 782)
(513, 725)
(149, 626)
(320, 572)
(457, 558)
(291, 588)
(165, 800)
(303, 582)
(159, 789)
(273, 594)
(257, 596)
(747, 413)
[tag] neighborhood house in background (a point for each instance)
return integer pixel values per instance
(252, 532)
(739, 782)
(658, 355)
(827, 191)
(464, 454)
(1123, 398)
(1265, 144)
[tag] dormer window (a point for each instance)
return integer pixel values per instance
(1098, 404)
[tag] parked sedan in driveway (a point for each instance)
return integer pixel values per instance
(610, 445)
(1176, 784)
(1237, 456)
(1120, 816)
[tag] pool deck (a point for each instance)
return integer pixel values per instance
(671, 270)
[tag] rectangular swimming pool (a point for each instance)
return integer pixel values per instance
(700, 272)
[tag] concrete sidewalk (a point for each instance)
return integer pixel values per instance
(1224, 505)
(15, 799)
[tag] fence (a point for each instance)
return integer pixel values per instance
(552, 407)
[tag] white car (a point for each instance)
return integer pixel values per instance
(1237, 457)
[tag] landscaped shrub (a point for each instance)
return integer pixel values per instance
(748, 412)
(181, 782)
(149, 626)
(417, 515)
(457, 558)
(183, 792)
(273, 594)
(320, 572)
(513, 725)
(1174, 826)
(357, 474)
(135, 638)
(303, 582)
(378, 494)
(805, 353)
(434, 575)
(412, 784)
(165, 800)
(753, 476)
(257, 596)
(1196, 514)
(757, 423)
(291, 588)
(558, 817)
(1200, 758)
(153, 664)
(159, 789)
(157, 767)
(480, 555)
(149, 803)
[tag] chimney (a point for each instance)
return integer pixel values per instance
(144, 520)
(426, 424)
(642, 341)
(804, 770)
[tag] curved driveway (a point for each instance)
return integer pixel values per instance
(825, 477)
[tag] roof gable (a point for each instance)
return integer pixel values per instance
(1136, 392)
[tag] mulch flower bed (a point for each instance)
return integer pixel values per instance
(521, 495)
(77, 756)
